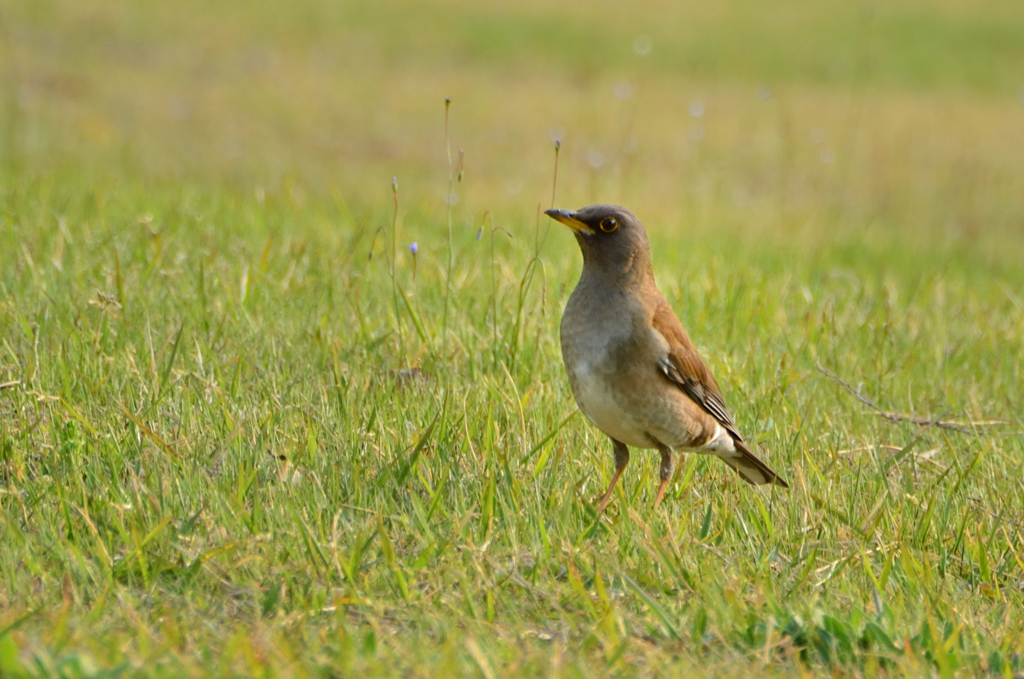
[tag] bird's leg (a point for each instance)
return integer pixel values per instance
(621, 460)
(666, 472)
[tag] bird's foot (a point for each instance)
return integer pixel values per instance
(662, 487)
(603, 501)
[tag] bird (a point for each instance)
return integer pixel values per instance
(632, 368)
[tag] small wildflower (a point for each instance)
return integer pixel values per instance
(479, 233)
(414, 248)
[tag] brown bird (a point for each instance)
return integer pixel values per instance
(633, 370)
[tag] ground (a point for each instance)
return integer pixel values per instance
(245, 428)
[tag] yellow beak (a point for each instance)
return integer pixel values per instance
(569, 219)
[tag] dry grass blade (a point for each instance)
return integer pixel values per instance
(150, 434)
(964, 427)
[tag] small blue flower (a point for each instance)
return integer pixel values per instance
(479, 233)
(414, 248)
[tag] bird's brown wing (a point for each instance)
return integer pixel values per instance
(684, 368)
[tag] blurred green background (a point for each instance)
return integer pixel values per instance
(908, 115)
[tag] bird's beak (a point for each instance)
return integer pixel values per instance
(568, 218)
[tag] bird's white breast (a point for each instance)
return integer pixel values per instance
(589, 353)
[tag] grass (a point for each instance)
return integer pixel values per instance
(239, 435)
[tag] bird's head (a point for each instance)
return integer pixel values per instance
(611, 237)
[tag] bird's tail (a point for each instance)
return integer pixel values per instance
(750, 467)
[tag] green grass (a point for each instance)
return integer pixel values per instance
(242, 431)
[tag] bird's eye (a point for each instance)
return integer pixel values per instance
(608, 224)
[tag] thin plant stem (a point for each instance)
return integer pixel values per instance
(554, 181)
(394, 228)
(393, 270)
(538, 242)
(494, 294)
(448, 201)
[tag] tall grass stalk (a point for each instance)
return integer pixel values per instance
(396, 293)
(451, 243)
